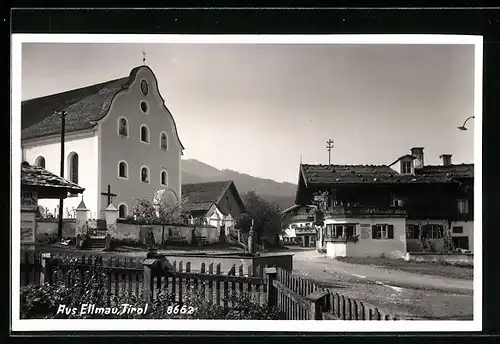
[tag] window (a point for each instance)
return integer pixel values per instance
(144, 87)
(412, 231)
(458, 229)
(73, 167)
(405, 167)
(164, 178)
(461, 242)
(463, 206)
(163, 141)
(383, 231)
(40, 161)
(144, 134)
(123, 127)
(144, 107)
(123, 170)
(432, 231)
(144, 174)
(122, 211)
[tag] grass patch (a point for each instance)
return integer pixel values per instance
(441, 268)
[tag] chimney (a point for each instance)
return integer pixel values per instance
(446, 159)
(418, 153)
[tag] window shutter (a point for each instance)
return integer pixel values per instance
(374, 232)
(390, 232)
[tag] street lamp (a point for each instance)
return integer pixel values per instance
(463, 126)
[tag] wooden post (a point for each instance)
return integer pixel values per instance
(317, 301)
(108, 242)
(46, 276)
(270, 275)
(148, 265)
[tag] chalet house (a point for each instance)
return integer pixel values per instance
(120, 139)
(217, 203)
(298, 223)
(379, 209)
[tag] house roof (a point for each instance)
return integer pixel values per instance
(209, 192)
(295, 206)
(364, 174)
(402, 157)
(454, 171)
(84, 106)
(197, 206)
(38, 177)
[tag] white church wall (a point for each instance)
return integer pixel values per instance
(85, 145)
(116, 148)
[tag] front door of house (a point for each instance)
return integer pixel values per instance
(461, 242)
(306, 240)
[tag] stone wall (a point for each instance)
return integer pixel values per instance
(134, 232)
(48, 227)
(452, 258)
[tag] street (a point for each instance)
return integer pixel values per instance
(404, 293)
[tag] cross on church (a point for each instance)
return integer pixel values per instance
(144, 58)
(109, 194)
(329, 146)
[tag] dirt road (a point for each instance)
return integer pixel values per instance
(400, 292)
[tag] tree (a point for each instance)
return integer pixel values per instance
(151, 211)
(266, 216)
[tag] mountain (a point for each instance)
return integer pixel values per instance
(194, 171)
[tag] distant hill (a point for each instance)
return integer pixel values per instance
(194, 171)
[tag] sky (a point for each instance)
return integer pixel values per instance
(257, 109)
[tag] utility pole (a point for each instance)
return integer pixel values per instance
(329, 146)
(61, 200)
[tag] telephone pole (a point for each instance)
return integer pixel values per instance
(329, 146)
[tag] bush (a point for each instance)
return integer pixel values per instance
(43, 302)
(47, 238)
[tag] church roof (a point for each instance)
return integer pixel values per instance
(36, 176)
(84, 106)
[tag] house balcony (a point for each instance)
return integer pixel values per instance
(305, 231)
(364, 211)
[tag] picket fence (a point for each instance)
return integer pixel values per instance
(296, 297)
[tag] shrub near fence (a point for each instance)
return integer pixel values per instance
(153, 279)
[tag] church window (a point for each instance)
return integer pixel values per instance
(163, 141)
(144, 106)
(123, 127)
(123, 170)
(164, 178)
(122, 211)
(144, 87)
(144, 174)
(40, 161)
(73, 167)
(144, 134)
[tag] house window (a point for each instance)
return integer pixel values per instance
(383, 231)
(123, 170)
(123, 127)
(461, 242)
(144, 87)
(406, 167)
(432, 231)
(144, 134)
(122, 211)
(163, 141)
(463, 206)
(164, 178)
(40, 161)
(412, 231)
(73, 167)
(144, 174)
(458, 229)
(144, 107)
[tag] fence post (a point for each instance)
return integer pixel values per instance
(46, 276)
(271, 275)
(148, 265)
(317, 301)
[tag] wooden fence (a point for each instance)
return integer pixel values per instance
(297, 298)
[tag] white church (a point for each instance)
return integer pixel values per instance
(119, 136)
